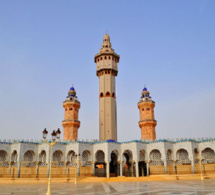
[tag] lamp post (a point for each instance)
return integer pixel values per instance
(200, 163)
(77, 163)
(55, 138)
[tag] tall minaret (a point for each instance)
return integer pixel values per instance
(147, 121)
(107, 69)
(71, 122)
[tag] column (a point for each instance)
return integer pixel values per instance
(9, 170)
(147, 167)
(93, 164)
(137, 169)
(18, 171)
(108, 169)
(121, 169)
(48, 171)
(193, 168)
(65, 167)
(175, 168)
(165, 166)
(131, 169)
(37, 170)
(78, 167)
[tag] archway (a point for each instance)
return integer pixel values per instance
(114, 169)
(127, 164)
(142, 164)
(183, 163)
(100, 166)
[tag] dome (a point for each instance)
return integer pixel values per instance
(144, 89)
(72, 89)
(110, 140)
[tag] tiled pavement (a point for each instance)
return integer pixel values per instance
(206, 187)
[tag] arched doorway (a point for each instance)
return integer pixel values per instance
(142, 164)
(127, 164)
(100, 166)
(114, 169)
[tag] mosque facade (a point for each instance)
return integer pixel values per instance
(107, 157)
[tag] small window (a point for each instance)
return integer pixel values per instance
(108, 93)
(70, 109)
(105, 72)
(147, 108)
(109, 58)
(105, 58)
(113, 94)
(101, 58)
(65, 109)
(101, 95)
(98, 60)
(142, 109)
(106, 45)
(108, 71)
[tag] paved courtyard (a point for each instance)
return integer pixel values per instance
(206, 187)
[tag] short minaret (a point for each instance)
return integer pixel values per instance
(147, 121)
(71, 122)
(107, 69)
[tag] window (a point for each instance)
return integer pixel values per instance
(70, 108)
(98, 60)
(147, 108)
(65, 109)
(142, 109)
(109, 58)
(101, 58)
(113, 94)
(105, 58)
(108, 93)
(101, 95)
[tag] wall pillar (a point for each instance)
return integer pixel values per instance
(18, 170)
(165, 166)
(121, 168)
(193, 167)
(108, 169)
(93, 164)
(48, 170)
(9, 169)
(147, 167)
(137, 169)
(37, 169)
(78, 167)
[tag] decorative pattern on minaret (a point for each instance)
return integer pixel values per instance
(71, 122)
(147, 122)
(107, 69)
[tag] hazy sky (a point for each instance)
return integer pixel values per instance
(46, 46)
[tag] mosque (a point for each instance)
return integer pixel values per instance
(107, 157)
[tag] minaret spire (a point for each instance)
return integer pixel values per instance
(71, 122)
(107, 69)
(147, 121)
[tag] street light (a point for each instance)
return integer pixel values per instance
(55, 138)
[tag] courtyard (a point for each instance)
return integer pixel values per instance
(190, 187)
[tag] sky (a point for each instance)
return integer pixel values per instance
(48, 46)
